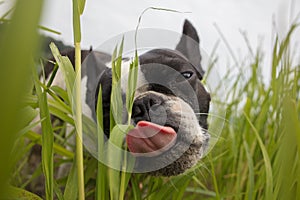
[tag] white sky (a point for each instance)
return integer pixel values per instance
(103, 19)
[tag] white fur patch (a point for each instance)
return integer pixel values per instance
(86, 110)
(58, 79)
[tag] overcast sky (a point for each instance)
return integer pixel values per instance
(103, 19)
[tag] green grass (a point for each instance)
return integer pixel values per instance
(256, 157)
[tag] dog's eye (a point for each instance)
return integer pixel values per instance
(187, 74)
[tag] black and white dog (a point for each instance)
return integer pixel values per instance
(170, 104)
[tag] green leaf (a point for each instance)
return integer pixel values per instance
(116, 93)
(131, 87)
(24, 130)
(267, 162)
(19, 193)
(61, 93)
(58, 192)
(81, 4)
(47, 137)
(28, 114)
(71, 189)
(287, 163)
(49, 30)
(102, 184)
(166, 190)
(66, 66)
(250, 186)
(37, 138)
(115, 158)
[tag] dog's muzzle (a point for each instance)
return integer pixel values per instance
(167, 138)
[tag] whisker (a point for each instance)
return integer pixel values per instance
(212, 134)
(212, 115)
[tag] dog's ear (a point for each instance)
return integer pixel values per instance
(189, 46)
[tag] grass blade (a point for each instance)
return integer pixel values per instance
(131, 87)
(101, 185)
(71, 190)
(81, 5)
(66, 66)
(268, 167)
(76, 21)
(250, 186)
(287, 162)
(115, 159)
(47, 137)
(19, 193)
(37, 138)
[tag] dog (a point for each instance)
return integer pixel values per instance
(170, 106)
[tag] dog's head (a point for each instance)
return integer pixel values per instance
(170, 108)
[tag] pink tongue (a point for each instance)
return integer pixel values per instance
(149, 139)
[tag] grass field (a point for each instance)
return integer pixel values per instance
(256, 157)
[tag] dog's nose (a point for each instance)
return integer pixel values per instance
(146, 108)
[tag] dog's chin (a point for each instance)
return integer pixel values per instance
(179, 158)
(188, 159)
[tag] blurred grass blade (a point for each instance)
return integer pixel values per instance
(17, 65)
(131, 87)
(268, 167)
(49, 30)
(250, 186)
(118, 186)
(27, 128)
(81, 5)
(119, 61)
(71, 189)
(28, 114)
(37, 138)
(115, 159)
(292, 121)
(76, 22)
(19, 193)
(77, 109)
(78, 7)
(213, 174)
(47, 136)
(287, 160)
(116, 93)
(112, 121)
(66, 66)
(8, 12)
(168, 189)
(101, 189)
(127, 167)
(58, 192)
(283, 46)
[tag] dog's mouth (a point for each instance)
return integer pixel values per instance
(148, 139)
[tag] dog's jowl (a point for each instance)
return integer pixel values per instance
(170, 105)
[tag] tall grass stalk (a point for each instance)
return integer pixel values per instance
(78, 8)
(78, 121)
